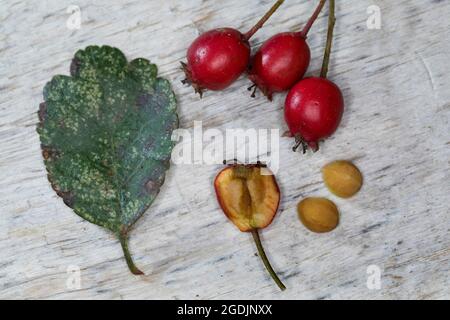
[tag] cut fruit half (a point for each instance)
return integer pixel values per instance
(249, 196)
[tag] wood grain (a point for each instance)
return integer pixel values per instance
(395, 128)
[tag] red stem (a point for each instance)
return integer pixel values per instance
(263, 20)
(305, 31)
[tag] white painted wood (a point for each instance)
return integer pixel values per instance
(395, 128)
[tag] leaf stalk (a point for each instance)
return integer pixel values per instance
(123, 237)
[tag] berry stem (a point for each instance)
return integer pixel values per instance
(263, 20)
(307, 27)
(123, 237)
(326, 55)
(265, 260)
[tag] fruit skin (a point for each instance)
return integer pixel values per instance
(216, 59)
(313, 110)
(319, 215)
(255, 209)
(280, 63)
(342, 178)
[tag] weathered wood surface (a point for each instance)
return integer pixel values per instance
(396, 128)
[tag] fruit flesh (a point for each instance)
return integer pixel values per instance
(313, 109)
(280, 63)
(248, 198)
(217, 58)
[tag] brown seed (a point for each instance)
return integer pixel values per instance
(318, 214)
(342, 178)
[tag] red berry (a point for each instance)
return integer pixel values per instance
(313, 110)
(280, 63)
(282, 60)
(218, 57)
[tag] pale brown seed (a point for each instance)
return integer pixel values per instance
(318, 214)
(342, 178)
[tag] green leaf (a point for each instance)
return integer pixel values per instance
(105, 135)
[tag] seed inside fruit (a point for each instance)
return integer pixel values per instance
(342, 178)
(319, 215)
(249, 198)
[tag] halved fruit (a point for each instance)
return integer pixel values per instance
(249, 196)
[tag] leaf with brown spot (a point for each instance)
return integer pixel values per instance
(105, 133)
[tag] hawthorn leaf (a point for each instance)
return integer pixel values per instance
(105, 135)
